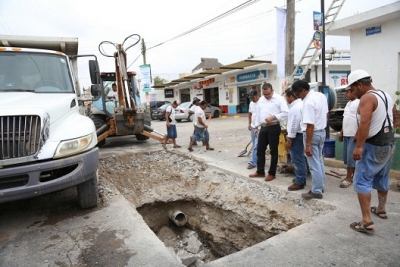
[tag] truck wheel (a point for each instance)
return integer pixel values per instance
(98, 122)
(88, 194)
(216, 114)
(147, 121)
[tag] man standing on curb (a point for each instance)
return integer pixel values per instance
(271, 109)
(294, 140)
(252, 125)
(346, 136)
(375, 146)
(314, 121)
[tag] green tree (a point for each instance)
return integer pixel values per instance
(251, 56)
(159, 81)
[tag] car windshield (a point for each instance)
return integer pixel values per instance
(34, 72)
(164, 106)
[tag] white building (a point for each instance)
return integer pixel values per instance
(375, 44)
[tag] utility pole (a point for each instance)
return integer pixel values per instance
(144, 51)
(290, 35)
(144, 62)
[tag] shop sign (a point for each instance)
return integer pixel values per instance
(373, 30)
(207, 82)
(252, 75)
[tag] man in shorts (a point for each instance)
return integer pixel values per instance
(171, 125)
(346, 136)
(374, 150)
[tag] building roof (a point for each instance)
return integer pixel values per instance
(207, 64)
(216, 71)
(367, 19)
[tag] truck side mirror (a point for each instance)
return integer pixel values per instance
(94, 71)
(95, 90)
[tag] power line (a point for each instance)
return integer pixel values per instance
(225, 14)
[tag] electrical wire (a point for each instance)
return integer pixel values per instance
(223, 15)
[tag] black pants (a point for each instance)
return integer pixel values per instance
(268, 136)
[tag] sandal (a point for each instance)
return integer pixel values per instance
(177, 146)
(381, 214)
(190, 149)
(358, 227)
(344, 183)
(164, 146)
(209, 148)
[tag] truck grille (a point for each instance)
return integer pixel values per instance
(20, 136)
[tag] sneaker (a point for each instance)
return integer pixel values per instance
(311, 195)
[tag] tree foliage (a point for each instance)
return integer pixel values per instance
(159, 81)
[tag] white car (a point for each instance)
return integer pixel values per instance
(182, 111)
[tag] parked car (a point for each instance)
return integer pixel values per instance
(154, 105)
(182, 111)
(159, 114)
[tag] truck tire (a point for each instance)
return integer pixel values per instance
(99, 121)
(147, 121)
(88, 193)
(216, 114)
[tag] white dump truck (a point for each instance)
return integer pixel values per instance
(46, 145)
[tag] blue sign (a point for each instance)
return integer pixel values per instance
(299, 71)
(372, 30)
(252, 75)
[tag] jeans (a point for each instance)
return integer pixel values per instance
(316, 161)
(372, 170)
(254, 141)
(268, 136)
(201, 134)
(298, 159)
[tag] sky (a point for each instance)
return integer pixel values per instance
(250, 31)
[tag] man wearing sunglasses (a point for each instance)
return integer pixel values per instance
(270, 111)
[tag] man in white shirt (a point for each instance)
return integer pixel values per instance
(171, 125)
(271, 109)
(113, 94)
(294, 140)
(254, 97)
(200, 127)
(314, 121)
(192, 110)
(349, 129)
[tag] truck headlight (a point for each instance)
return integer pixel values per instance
(73, 146)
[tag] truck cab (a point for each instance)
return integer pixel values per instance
(46, 145)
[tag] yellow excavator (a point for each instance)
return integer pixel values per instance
(123, 114)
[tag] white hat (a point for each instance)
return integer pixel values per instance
(356, 75)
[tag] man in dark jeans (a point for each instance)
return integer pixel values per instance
(270, 111)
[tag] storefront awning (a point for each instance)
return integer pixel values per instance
(217, 71)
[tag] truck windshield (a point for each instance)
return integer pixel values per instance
(34, 72)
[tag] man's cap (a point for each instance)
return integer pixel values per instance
(253, 93)
(196, 99)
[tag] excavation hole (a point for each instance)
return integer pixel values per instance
(225, 211)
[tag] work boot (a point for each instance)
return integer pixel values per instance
(295, 187)
(311, 195)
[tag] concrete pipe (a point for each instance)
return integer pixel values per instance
(178, 217)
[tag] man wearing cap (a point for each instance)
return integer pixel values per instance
(313, 123)
(271, 109)
(195, 106)
(374, 150)
(346, 136)
(252, 125)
